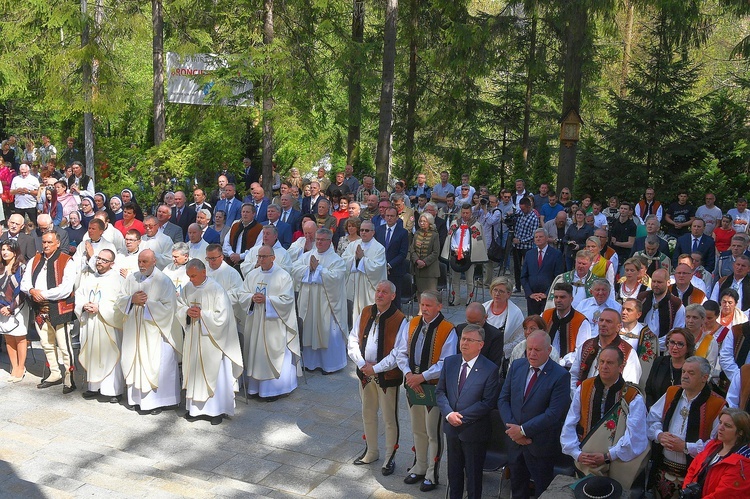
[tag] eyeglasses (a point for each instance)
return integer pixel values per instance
(678, 344)
(213, 258)
(130, 240)
(265, 256)
(471, 340)
(365, 230)
(100, 259)
(499, 291)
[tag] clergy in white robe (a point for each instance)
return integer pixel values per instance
(601, 299)
(85, 255)
(101, 328)
(229, 279)
(157, 242)
(128, 263)
(211, 356)
(111, 234)
(366, 267)
(270, 237)
(303, 244)
(321, 275)
(196, 244)
(176, 271)
(271, 341)
(152, 338)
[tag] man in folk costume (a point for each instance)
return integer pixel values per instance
(269, 237)
(580, 278)
(649, 206)
(639, 336)
(567, 328)
(735, 349)
(607, 251)
(465, 240)
(228, 278)
(271, 343)
(586, 363)
(654, 259)
(156, 241)
(241, 236)
(738, 281)
(738, 395)
(321, 277)
(211, 356)
(152, 339)
(366, 266)
(680, 423)
(600, 300)
(377, 343)
(705, 344)
(662, 311)
(101, 329)
(431, 338)
(614, 410)
(683, 289)
(49, 281)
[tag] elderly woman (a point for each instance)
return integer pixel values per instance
(667, 369)
(87, 210)
(600, 266)
(352, 226)
(719, 470)
(504, 314)
(294, 178)
(530, 324)
(115, 205)
(127, 196)
(324, 219)
(424, 253)
(75, 231)
(13, 309)
(730, 314)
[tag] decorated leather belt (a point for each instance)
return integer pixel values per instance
(678, 469)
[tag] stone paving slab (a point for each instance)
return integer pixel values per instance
(60, 446)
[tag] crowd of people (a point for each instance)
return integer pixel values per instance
(632, 348)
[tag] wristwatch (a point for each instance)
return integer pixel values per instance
(607, 459)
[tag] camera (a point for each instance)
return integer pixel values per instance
(692, 491)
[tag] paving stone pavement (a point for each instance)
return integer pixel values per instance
(60, 446)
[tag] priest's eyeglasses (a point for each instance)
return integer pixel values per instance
(100, 259)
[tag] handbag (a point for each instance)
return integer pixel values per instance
(8, 324)
(495, 252)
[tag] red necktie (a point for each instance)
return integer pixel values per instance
(460, 251)
(532, 381)
(539, 260)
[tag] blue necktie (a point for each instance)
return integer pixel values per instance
(388, 237)
(462, 378)
(695, 245)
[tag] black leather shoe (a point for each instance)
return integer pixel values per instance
(156, 411)
(427, 486)
(388, 469)
(69, 389)
(269, 399)
(114, 400)
(412, 478)
(88, 394)
(47, 384)
(216, 420)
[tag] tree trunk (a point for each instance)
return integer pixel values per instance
(157, 18)
(412, 94)
(530, 73)
(383, 154)
(626, 47)
(576, 19)
(355, 84)
(88, 84)
(267, 101)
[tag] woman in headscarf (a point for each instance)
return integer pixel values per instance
(127, 196)
(87, 210)
(115, 205)
(100, 204)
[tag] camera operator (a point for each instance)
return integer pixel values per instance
(525, 225)
(491, 219)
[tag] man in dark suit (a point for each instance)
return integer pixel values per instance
(652, 227)
(697, 242)
(494, 341)
(283, 229)
(250, 174)
(540, 267)
(43, 226)
(15, 231)
(199, 201)
(310, 205)
(533, 403)
(174, 232)
(395, 240)
(466, 393)
(182, 216)
(288, 214)
(230, 204)
(258, 198)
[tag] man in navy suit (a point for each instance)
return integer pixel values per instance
(288, 214)
(182, 215)
(697, 242)
(536, 279)
(230, 204)
(258, 198)
(310, 205)
(533, 403)
(466, 394)
(284, 230)
(395, 240)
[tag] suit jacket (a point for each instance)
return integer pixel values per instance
(396, 254)
(184, 221)
(308, 208)
(539, 280)
(206, 206)
(285, 233)
(477, 398)
(442, 230)
(706, 247)
(260, 211)
(174, 232)
(543, 413)
(294, 219)
(340, 232)
(233, 213)
(493, 343)
(25, 242)
(64, 240)
(640, 245)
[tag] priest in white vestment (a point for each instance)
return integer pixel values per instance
(196, 244)
(101, 328)
(176, 271)
(228, 278)
(366, 266)
(303, 244)
(128, 263)
(152, 339)
(321, 276)
(85, 255)
(269, 237)
(157, 242)
(271, 341)
(211, 356)
(111, 234)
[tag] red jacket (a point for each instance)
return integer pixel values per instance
(727, 479)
